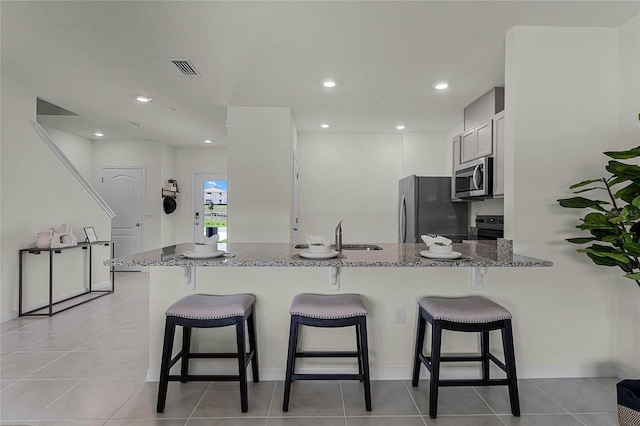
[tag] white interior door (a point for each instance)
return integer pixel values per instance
(123, 191)
(209, 206)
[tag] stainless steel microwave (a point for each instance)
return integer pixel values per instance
(473, 179)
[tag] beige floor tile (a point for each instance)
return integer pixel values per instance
(92, 399)
(307, 421)
(112, 341)
(61, 341)
(17, 340)
(542, 420)
(182, 399)
(41, 393)
(73, 365)
(222, 399)
(22, 364)
(389, 397)
(309, 398)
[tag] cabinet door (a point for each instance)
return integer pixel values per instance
(484, 139)
(498, 155)
(456, 161)
(468, 146)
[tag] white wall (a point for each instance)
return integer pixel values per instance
(561, 114)
(77, 149)
(629, 136)
(425, 154)
(38, 192)
(259, 170)
(352, 177)
(188, 162)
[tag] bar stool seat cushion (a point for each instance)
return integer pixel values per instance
(211, 307)
(328, 306)
(464, 310)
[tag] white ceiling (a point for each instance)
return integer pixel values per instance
(94, 57)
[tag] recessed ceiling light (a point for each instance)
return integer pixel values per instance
(324, 126)
(99, 134)
(143, 99)
(207, 141)
(441, 85)
(400, 127)
(329, 83)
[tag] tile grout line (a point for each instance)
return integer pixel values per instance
(273, 396)
(554, 400)
(415, 404)
(198, 403)
(344, 408)
(57, 399)
(489, 405)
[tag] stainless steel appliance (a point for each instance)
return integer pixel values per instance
(489, 227)
(473, 179)
(425, 207)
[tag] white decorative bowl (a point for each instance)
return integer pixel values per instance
(319, 249)
(204, 248)
(434, 248)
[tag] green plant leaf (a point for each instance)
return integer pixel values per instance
(635, 276)
(624, 155)
(581, 240)
(615, 255)
(584, 182)
(628, 193)
(589, 189)
(581, 203)
(595, 221)
(632, 248)
(622, 170)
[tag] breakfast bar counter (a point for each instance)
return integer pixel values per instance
(481, 253)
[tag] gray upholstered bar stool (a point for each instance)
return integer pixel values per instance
(321, 310)
(209, 311)
(468, 314)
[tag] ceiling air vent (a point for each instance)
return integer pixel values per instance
(185, 67)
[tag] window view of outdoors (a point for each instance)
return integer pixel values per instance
(215, 209)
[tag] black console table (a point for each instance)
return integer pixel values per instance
(50, 306)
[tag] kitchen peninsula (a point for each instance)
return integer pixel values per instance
(390, 277)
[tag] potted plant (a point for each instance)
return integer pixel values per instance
(614, 240)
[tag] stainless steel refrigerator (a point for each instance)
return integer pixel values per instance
(425, 207)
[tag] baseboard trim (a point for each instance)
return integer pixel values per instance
(8, 316)
(625, 373)
(447, 372)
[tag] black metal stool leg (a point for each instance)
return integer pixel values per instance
(510, 362)
(364, 353)
(167, 348)
(291, 354)
(253, 346)
(359, 349)
(186, 348)
(417, 363)
(484, 351)
(242, 364)
(436, 346)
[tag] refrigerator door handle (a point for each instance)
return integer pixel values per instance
(403, 220)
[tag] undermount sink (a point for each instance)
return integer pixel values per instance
(348, 246)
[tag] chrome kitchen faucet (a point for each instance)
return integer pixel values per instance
(338, 244)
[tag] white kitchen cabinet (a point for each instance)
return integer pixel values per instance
(477, 142)
(498, 155)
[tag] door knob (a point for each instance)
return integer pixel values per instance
(138, 224)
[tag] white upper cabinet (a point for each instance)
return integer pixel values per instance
(477, 142)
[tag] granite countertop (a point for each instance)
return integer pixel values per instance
(474, 254)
